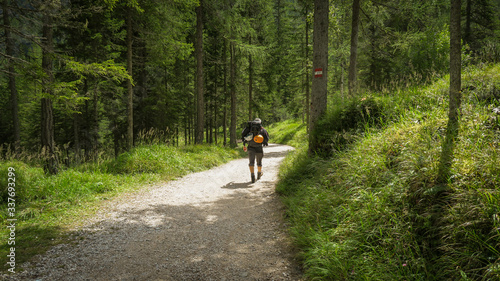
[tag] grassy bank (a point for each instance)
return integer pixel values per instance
(368, 210)
(290, 132)
(48, 206)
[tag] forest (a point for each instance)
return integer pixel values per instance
(85, 82)
(87, 78)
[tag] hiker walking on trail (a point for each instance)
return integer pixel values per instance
(256, 137)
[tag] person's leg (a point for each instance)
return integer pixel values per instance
(259, 164)
(251, 164)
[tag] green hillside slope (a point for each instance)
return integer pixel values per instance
(370, 210)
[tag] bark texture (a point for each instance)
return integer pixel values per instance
(320, 63)
(354, 48)
(200, 117)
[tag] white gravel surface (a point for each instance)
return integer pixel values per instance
(211, 225)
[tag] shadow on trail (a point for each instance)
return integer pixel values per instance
(237, 185)
(237, 237)
(274, 154)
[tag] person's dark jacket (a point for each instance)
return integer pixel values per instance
(251, 143)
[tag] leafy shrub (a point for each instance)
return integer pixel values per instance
(341, 126)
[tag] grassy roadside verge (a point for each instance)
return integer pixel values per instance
(366, 211)
(48, 206)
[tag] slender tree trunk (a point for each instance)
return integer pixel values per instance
(352, 84)
(199, 74)
(342, 80)
(143, 89)
(455, 93)
(468, 19)
(76, 136)
(250, 84)
(250, 87)
(116, 137)
(216, 107)
(207, 121)
(185, 129)
(224, 121)
(232, 129)
(95, 125)
(193, 120)
(9, 50)
(186, 111)
(130, 90)
(308, 73)
(320, 66)
(87, 127)
(47, 126)
(280, 67)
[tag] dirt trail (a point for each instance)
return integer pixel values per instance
(211, 225)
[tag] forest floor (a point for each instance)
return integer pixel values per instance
(211, 225)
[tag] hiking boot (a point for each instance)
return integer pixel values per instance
(253, 178)
(259, 175)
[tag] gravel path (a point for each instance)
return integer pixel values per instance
(211, 225)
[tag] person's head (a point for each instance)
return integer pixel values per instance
(257, 121)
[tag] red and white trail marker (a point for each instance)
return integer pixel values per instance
(318, 72)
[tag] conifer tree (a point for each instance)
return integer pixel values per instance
(47, 122)
(354, 47)
(454, 92)
(9, 51)
(200, 101)
(320, 68)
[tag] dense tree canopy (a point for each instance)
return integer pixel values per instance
(108, 61)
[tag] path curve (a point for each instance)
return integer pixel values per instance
(211, 225)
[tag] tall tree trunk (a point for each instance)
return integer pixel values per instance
(468, 20)
(76, 136)
(308, 73)
(9, 50)
(143, 89)
(185, 129)
(95, 125)
(199, 74)
(250, 83)
(130, 90)
(207, 120)
(250, 87)
(224, 121)
(232, 129)
(279, 63)
(455, 93)
(342, 70)
(47, 126)
(216, 106)
(352, 85)
(320, 66)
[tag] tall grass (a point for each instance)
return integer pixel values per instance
(47, 206)
(291, 132)
(368, 210)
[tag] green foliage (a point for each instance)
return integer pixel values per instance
(46, 206)
(341, 124)
(291, 132)
(368, 212)
(169, 161)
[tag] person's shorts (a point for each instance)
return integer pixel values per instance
(255, 153)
